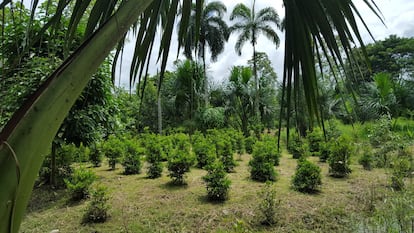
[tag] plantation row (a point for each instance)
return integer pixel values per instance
(215, 152)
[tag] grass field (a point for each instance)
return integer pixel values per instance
(139, 204)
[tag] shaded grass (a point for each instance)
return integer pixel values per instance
(140, 204)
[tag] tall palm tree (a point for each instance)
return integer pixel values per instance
(213, 32)
(27, 136)
(250, 25)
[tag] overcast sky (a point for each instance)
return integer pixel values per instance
(398, 16)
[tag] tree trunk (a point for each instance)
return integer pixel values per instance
(256, 86)
(205, 77)
(159, 113)
(29, 133)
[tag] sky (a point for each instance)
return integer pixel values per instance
(398, 16)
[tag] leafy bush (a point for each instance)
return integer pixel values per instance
(113, 149)
(97, 210)
(249, 143)
(296, 147)
(400, 169)
(315, 139)
(205, 153)
(269, 148)
(217, 183)
(154, 155)
(132, 158)
(63, 161)
(324, 152)
(268, 205)
(366, 159)
(179, 163)
(225, 154)
(261, 164)
(339, 159)
(307, 177)
(95, 155)
(79, 183)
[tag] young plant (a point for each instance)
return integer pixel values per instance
(205, 153)
(217, 183)
(113, 149)
(307, 178)
(132, 158)
(225, 154)
(249, 143)
(296, 147)
(95, 155)
(400, 169)
(268, 205)
(261, 164)
(366, 159)
(154, 155)
(97, 210)
(179, 163)
(339, 159)
(315, 138)
(79, 183)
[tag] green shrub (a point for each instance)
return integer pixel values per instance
(324, 152)
(249, 143)
(225, 154)
(79, 183)
(296, 147)
(339, 159)
(179, 163)
(132, 158)
(97, 210)
(154, 155)
(63, 161)
(269, 147)
(366, 159)
(261, 164)
(205, 153)
(307, 177)
(401, 168)
(113, 149)
(217, 183)
(315, 138)
(95, 155)
(268, 205)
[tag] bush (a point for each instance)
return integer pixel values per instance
(307, 177)
(315, 138)
(261, 164)
(113, 149)
(324, 151)
(225, 154)
(249, 143)
(339, 159)
(366, 159)
(205, 153)
(217, 183)
(296, 147)
(95, 155)
(269, 148)
(178, 164)
(268, 205)
(79, 183)
(132, 158)
(154, 156)
(63, 161)
(97, 210)
(400, 169)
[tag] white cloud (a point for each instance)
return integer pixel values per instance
(398, 15)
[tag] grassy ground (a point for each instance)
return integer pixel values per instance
(139, 204)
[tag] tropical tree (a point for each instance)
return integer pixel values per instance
(27, 136)
(250, 25)
(213, 32)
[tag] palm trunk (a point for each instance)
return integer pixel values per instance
(53, 165)
(29, 133)
(159, 114)
(205, 77)
(256, 85)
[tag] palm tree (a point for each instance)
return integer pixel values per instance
(250, 25)
(27, 136)
(213, 32)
